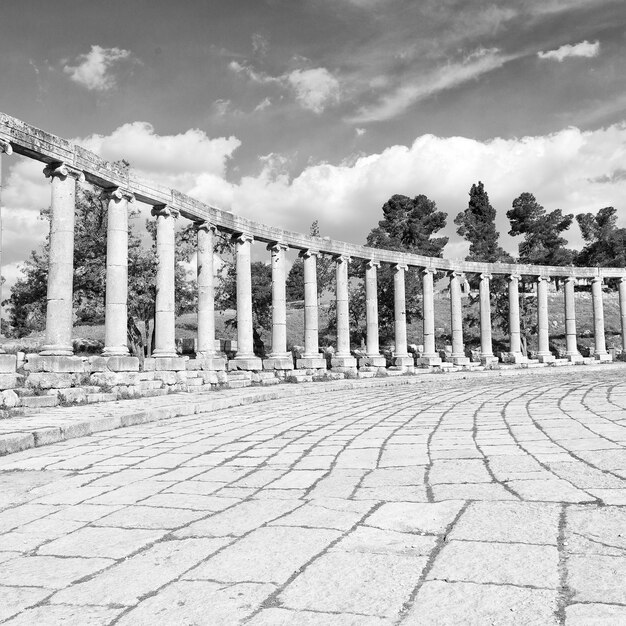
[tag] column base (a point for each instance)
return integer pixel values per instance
(115, 352)
(546, 358)
(575, 357)
(488, 359)
(282, 362)
(403, 361)
(513, 357)
(343, 361)
(311, 363)
(164, 354)
(603, 357)
(429, 359)
(374, 360)
(57, 350)
(210, 363)
(458, 360)
(245, 363)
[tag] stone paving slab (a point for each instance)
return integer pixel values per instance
(484, 500)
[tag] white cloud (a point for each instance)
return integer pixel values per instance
(582, 49)
(93, 70)
(264, 104)
(446, 77)
(315, 89)
(360, 131)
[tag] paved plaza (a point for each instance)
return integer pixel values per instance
(447, 501)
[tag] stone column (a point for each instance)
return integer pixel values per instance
(116, 301)
(486, 347)
(59, 309)
(164, 310)
(544, 355)
(206, 354)
(515, 342)
(430, 356)
(456, 319)
(343, 357)
(570, 321)
(622, 310)
(5, 148)
(401, 355)
(598, 320)
(374, 357)
(245, 358)
(311, 358)
(279, 358)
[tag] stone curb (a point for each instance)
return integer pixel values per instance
(63, 423)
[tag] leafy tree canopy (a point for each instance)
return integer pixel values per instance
(606, 244)
(542, 243)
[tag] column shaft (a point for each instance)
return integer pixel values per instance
(486, 348)
(279, 358)
(374, 357)
(245, 335)
(342, 357)
(570, 320)
(59, 309)
(456, 319)
(622, 309)
(515, 342)
(116, 305)
(5, 148)
(401, 355)
(543, 333)
(429, 356)
(598, 319)
(206, 291)
(311, 347)
(164, 313)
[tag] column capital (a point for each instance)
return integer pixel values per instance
(514, 278)
(5, 146)
(400, 266)
(573, 279)
(164, 210)
(456, 274)
(276, 246)
(597, 279)
(485, 276)
(622, 280)
(205, 225)
(117, 193)
(542, 278)
(241, 238)
(369, 264)
(308, 253)
(341, 258)
(62, 171)
(427, 270)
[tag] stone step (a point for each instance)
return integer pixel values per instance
(38, 402)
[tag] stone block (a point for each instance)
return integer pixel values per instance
(15, 442)
(278, 363)
(488, 359)
(9, 399)
(170, 364)
(114, 363)
(603, 358)
(10, 381)
(74, 394)
(575, 358)
(429, 360)
(250, 364)
(101, 397)
(403, 361)
(58, 364)
(372, 361)
(343, 362)
(270, 381)
(49, 380)
(8, 363)
(513, 357)
(38, 402)
(546, 358)
(458, 360)
(308, 362)
(209, 378)
(149, 365)
(167, 377)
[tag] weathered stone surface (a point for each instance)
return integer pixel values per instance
(8, 363)
(59, 364)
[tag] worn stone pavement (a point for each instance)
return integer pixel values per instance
(479, 501)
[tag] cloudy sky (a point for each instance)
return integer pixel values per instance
(287, 111)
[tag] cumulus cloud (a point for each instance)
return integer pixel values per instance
(315, 89)
(93, 70)
(582, 49)
(264, 104)
(421, 87)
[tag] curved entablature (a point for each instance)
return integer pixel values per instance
(34, 143)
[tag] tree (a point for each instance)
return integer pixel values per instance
(28, 295)
(606, 244)
(477, 224)
(408, 225)
(543, 243)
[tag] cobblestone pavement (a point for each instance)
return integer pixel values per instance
(449, 502)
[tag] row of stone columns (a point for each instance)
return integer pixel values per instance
(60, 276)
